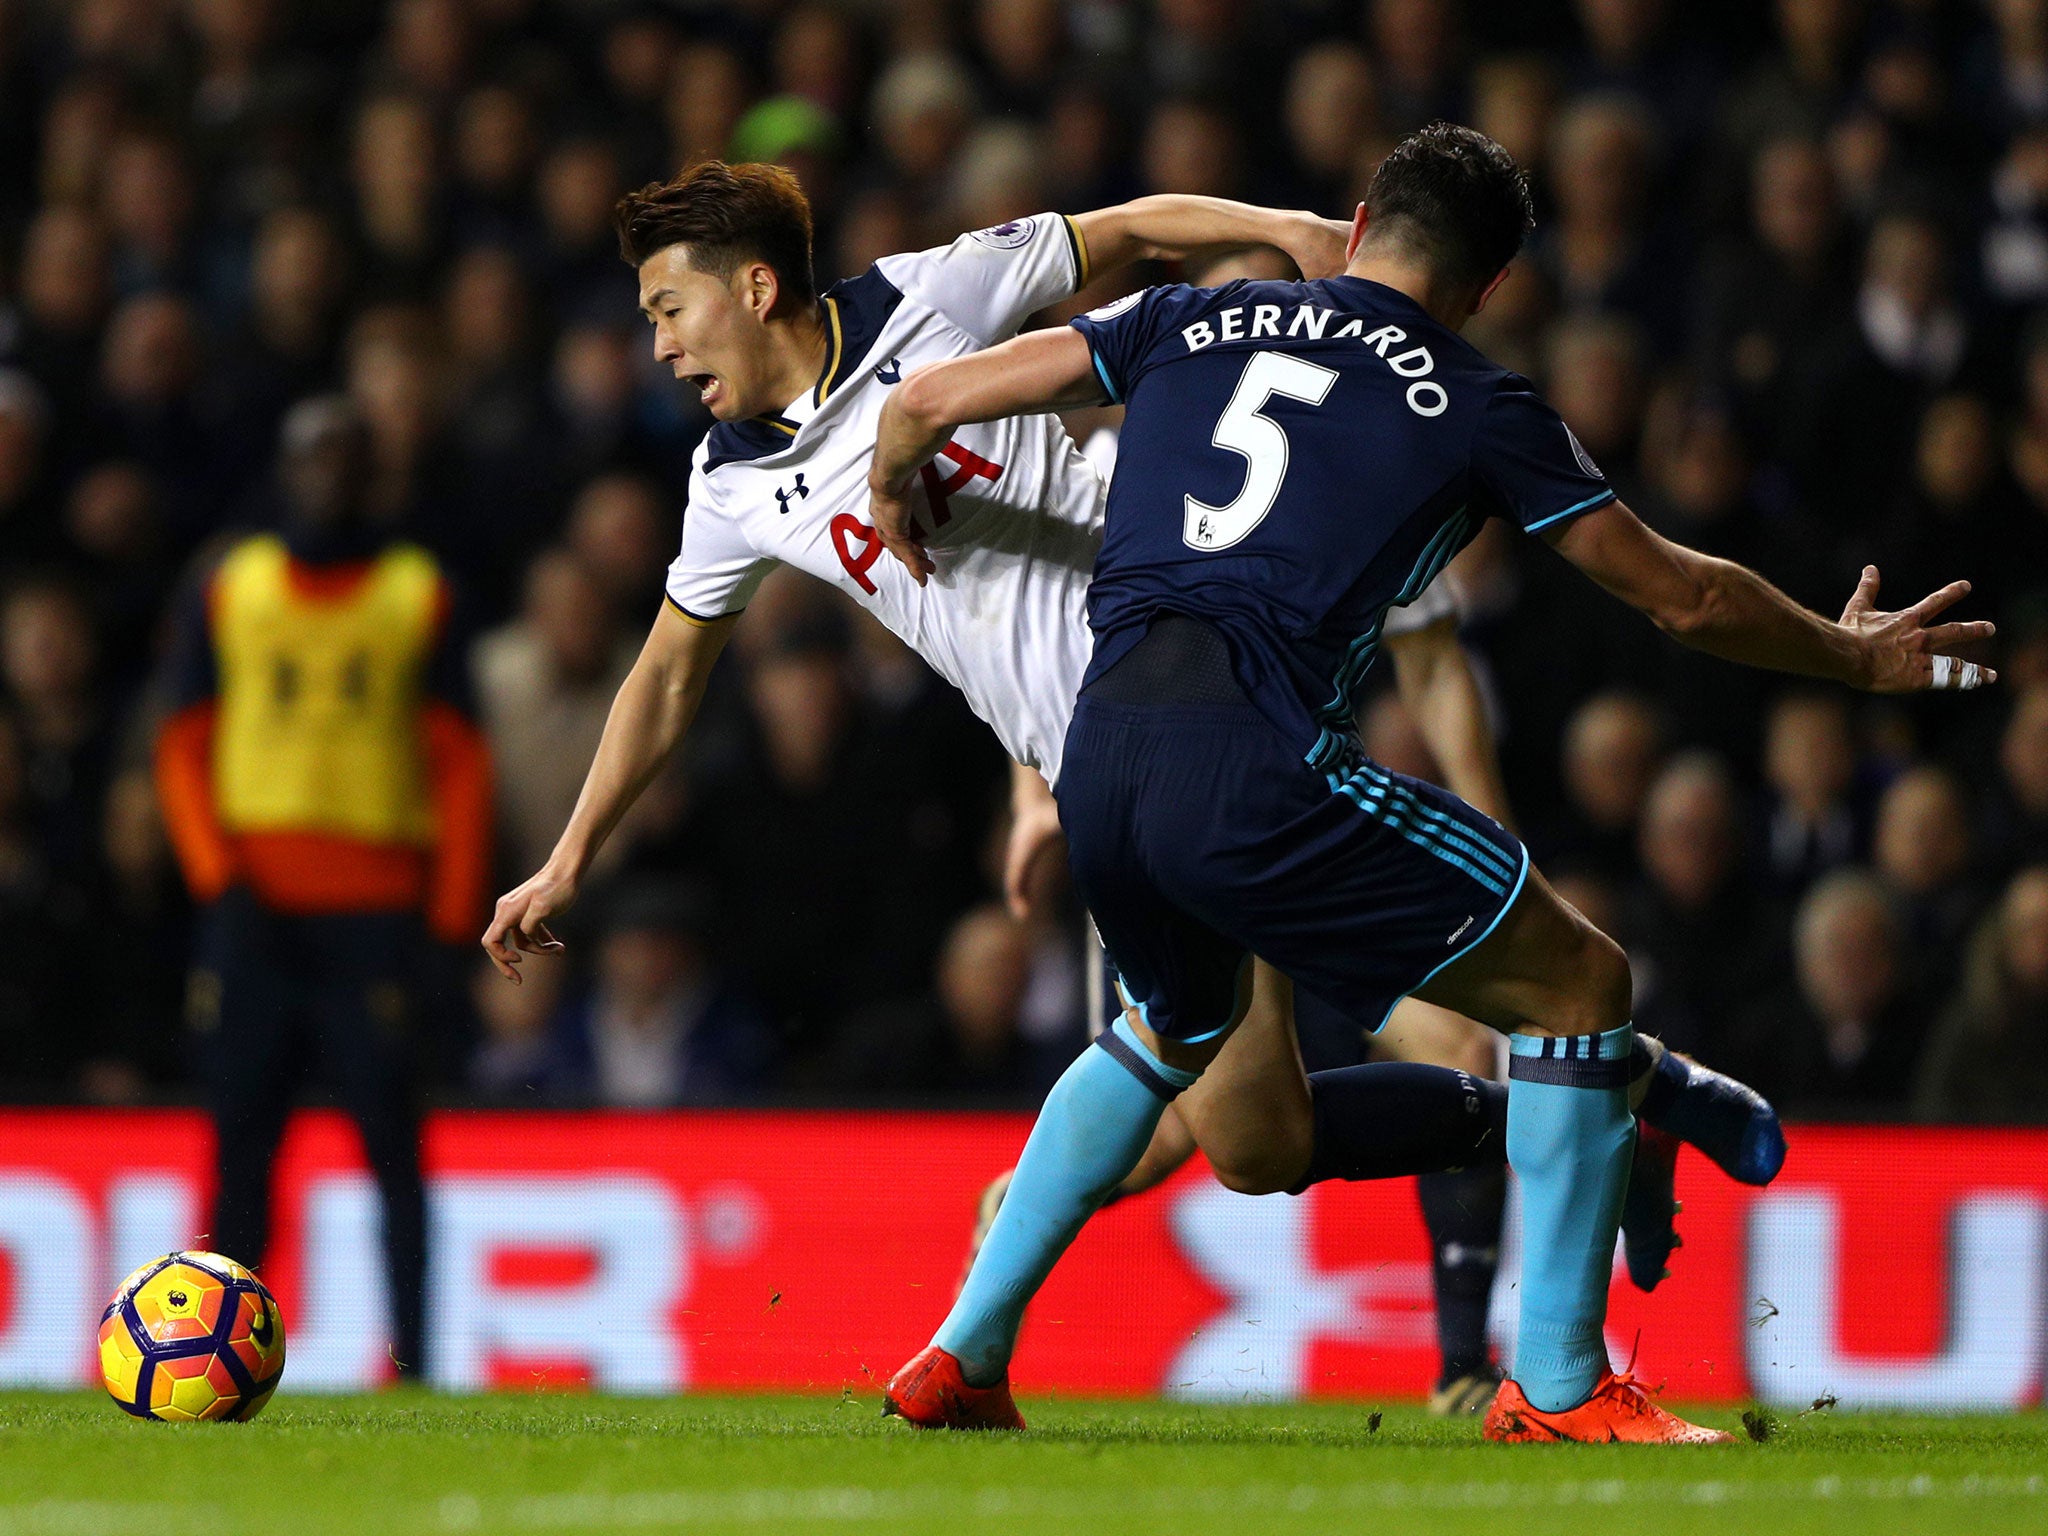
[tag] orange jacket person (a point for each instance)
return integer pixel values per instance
(329, 799)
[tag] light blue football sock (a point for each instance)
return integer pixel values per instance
(1570, 1135)
(1094, 1127)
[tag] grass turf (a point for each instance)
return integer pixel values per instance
(409, 1462)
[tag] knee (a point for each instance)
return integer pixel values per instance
(1606, 992)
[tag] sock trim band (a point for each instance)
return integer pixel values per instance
(1134, 1061)
(1574, 1061)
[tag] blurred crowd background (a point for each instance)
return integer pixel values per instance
(1790, 288)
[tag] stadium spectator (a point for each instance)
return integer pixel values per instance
(1921, 849)
(544, 685)
(1613, 745)
(1599, 253)
(1192, 146)
(518, 1059)
(330, 805)
(24, 434)
(619, 530)
(495, 144)
(1640, 48)
(965, 1042)
(147, 201)
(152, 401)
(52, 1011)
(398, 218)
(285, 345)
(63, 287)
(1768, 298)
(1814, 823)
(822, 786)
(114, 539)
(49, 661)
(1850, 419)
(709, 89)
(2017, 827)
(1331, 107)
(1701, 944)
(659, 1025)
(1987, 1058)
(1954, 515)
(144, 923)
(1797, 316)
(1846, 1041)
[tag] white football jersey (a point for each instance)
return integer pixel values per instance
(1014, 510)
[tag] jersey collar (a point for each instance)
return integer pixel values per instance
(853, 312)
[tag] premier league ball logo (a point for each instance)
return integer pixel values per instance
(1006, 237)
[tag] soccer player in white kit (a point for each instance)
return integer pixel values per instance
(796, 383)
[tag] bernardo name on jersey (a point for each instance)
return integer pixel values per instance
(1016, 511)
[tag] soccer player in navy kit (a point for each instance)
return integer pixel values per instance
(1297, 458)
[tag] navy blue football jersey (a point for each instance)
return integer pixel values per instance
(1297, 458)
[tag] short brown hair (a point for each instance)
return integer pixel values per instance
(726, 215)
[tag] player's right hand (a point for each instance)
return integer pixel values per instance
(895, 520)
(519, 925)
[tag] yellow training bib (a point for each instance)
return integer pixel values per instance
(319, 726)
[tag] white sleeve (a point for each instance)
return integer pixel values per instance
(1437, 602)
(990, 281)
(717, 570)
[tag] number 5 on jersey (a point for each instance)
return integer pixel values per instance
(1246, 430)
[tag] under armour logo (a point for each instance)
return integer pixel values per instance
(800, 490)
(890, 372)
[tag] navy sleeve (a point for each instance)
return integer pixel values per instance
(1123, 333)
(1528, 465)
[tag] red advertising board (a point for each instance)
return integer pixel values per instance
(663, 1252)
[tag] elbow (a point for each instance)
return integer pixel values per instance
(924, 398)
(1688, 615)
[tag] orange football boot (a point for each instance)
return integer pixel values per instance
(1618, 1410)
(932, 1393)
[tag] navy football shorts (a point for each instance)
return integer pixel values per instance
(1199, 837)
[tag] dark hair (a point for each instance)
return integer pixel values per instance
(1457, 197)
(726, 215)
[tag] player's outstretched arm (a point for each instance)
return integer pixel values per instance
(1050, 370)
(1729, 611)
(1174, 224)
(653, 709)
(1434, 677)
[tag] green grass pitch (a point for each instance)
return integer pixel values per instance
(71, 1465)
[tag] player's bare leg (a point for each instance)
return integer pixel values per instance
(1561, 989)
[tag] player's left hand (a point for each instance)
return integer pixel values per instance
(1035, 836)
(1903, 653)
(890, 512)
(1318, 246)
